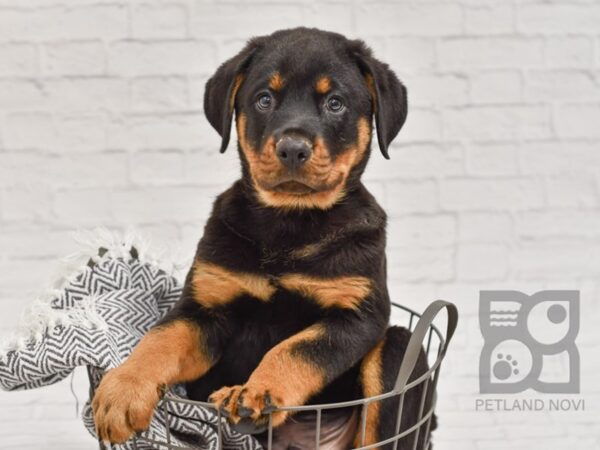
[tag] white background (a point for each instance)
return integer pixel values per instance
(493, 182)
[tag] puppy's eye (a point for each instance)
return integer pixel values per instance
(335, 104)
(264, 101)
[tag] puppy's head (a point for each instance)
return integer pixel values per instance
(305, 100)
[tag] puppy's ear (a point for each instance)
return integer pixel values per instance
(389, 95)
(221, 89)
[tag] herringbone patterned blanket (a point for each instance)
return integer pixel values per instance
(95, 318)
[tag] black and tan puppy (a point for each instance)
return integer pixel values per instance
(286, 302)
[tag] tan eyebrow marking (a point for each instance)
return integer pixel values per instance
(323, 85)
(276, 82)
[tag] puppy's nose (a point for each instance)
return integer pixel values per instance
(293, 151)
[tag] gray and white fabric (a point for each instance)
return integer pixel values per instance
(95, 318)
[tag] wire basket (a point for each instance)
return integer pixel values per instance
(425, 335)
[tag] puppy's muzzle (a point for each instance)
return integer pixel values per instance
(293, 151)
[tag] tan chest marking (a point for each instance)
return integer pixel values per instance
(214, 285)
(342, 292)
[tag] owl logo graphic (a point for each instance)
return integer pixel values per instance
(529, 342)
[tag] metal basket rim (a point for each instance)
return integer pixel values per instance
(423, 327)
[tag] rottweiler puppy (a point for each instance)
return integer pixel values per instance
(286, 302)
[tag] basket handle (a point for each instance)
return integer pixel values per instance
(415, 343)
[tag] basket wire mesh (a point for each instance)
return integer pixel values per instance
(425, 335)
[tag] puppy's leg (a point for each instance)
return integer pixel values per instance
(299, 367)
(181, 348)
(378, 373)
(284, 377)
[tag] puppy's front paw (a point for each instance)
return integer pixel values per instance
(247, 407)
(123, 404)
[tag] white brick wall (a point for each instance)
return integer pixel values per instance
(493, 183)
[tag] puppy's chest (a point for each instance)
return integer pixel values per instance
(215, 285)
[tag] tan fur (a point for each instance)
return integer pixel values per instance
(372, 91)
(236, 87)
(264, 165)
(177, 352)
(315, 248)
(307, 251)
(302, 380)
(341, 292)
(321, 172)
(323, 85)
(214, 285)
(371, 380)
(276, 82)
(318, 200)
(125, 400)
